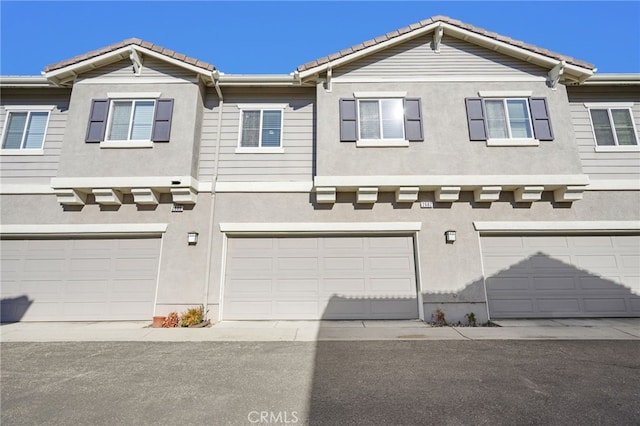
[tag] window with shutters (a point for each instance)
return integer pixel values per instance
(380, 121)
(129, 123)
(613, 127)
(260, 129)
(509, 121)
(24, 130)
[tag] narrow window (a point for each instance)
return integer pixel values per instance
(25, 130)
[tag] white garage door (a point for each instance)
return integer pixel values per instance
(562, 276)
(79, 279)
(320, 278)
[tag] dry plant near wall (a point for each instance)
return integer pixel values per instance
(192, 316)
(171, 321)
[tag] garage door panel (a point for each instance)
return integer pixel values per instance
(608, 305)
(62, 279)
(323, 277)
(588, 276)
(559, 304)
(297, 286)
(251, 286)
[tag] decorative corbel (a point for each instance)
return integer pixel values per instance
(136, 60)
(437, 37)
(555, 74)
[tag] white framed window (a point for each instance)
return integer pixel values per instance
(508, 118)
(25, 129)
(130, 120)
(381, 119)
(613, 127)
(260, 129)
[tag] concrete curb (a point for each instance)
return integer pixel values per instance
(310, 331)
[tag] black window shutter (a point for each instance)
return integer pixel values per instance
(162, 120)
(476, 119)
(541, 120)
(413, 120)
(348, 120)
(97, 120)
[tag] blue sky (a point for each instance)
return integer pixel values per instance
(243, 37)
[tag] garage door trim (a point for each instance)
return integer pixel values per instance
(594, 226)
(92, 229)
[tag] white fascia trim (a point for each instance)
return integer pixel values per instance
(133, 95)
(505, 93)
(259, 150)
(439, 79)
(463, 181)
(125, 144)
(85, 229)
(321, 227)
(77, 67)
(369, 50)
(613, 185)
(569, 226)
(124, 182)
(380, 94)
(25, 189)
(29, 107)
(140, 79)
(263, 106)
(264, 186)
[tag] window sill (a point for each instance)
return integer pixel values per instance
(513, 142)
(258, 150)
(618, 148)
(126, 144)
(382, 143)
(21, 151)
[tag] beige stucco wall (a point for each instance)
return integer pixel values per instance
(446, 148)
(175, 158)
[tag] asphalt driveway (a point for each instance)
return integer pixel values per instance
(321, 383)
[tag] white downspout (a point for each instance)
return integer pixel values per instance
(215, 76)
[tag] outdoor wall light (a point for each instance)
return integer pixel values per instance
(192, 238)
(450, 236)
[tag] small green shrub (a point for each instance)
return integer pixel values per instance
(172, 320)
(192, 316)
(471, 319)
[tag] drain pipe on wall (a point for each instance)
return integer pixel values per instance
(215, 76)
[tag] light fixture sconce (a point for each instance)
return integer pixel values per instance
(450, 236)
(192, 238)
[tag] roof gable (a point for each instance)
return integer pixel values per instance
(571, 68)
(134, 49)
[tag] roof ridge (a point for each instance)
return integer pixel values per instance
(451, 21)
(129, 42)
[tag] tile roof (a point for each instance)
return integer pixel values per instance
(445, 19)
(128, 42)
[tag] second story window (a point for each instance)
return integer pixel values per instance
(25, 130)
(131, 120)
(613, 127)
(381, 118)
(508, 118)
(261, 128)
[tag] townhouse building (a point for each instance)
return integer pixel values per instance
(439, 166)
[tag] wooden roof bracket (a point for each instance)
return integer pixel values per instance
(136, 60)
(555, 74)
(437, 37)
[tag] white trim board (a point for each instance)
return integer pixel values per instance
(84, 229)
(324, 228)
(567, 226)
(264, 186)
